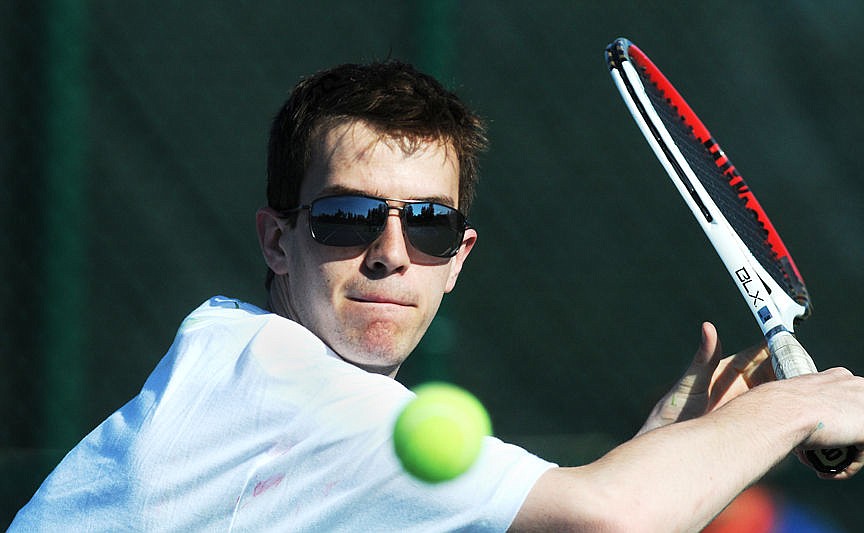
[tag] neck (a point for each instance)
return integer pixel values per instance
(277, 301)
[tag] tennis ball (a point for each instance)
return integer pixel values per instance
(439, 434)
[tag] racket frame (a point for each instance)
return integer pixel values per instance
(774, 310)
(771, 306)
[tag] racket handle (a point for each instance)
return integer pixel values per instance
(790, 359)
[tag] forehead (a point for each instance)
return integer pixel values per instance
(354, 156)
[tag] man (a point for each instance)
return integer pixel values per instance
(282, 421)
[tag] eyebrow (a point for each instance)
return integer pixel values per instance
(332, 190)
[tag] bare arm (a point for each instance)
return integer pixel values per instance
(677, 477)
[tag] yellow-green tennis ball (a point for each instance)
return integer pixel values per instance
(439, 434)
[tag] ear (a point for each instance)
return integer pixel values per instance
(458, 260)
(270, 228)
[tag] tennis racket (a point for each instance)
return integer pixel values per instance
(728, 212)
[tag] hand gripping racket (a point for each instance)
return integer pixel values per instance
(728, 212)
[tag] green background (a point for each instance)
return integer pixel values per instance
(133, 160)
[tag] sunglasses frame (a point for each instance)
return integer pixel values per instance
(406, 227)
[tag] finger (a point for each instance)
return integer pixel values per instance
(848, 472)
(750, 367)
(839, 370)
(754, 365)
(748, 358)
(853, 468)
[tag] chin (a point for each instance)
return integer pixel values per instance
(385, 364)
(379, 360)
(380, 347)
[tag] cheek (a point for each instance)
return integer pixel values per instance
(434, 288)
(314, 286)
(309, 287)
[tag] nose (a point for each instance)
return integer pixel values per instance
(389, 253)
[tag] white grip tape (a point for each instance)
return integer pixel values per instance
(788, 357)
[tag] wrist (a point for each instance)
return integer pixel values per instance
(783, 408)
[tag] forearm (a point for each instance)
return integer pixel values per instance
(678, 477)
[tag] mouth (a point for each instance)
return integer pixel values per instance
(381, 299)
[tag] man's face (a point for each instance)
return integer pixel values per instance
(370, 304)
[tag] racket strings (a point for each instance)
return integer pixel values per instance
(725, 186)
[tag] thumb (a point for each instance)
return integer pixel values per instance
(688, 397)
(705, 361)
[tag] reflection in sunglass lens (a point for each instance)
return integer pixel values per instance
(347, 220)
(433, 229)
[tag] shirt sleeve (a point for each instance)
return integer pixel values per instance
(340, 471)
(250, 423)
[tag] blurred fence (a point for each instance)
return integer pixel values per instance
(133, 162)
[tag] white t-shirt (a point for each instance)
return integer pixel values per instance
(251, 423)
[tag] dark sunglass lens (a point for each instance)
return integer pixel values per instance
(347, 220)
(434, 229)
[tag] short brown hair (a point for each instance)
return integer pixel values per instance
(391, 97)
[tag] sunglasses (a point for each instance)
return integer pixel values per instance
(357, 220)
